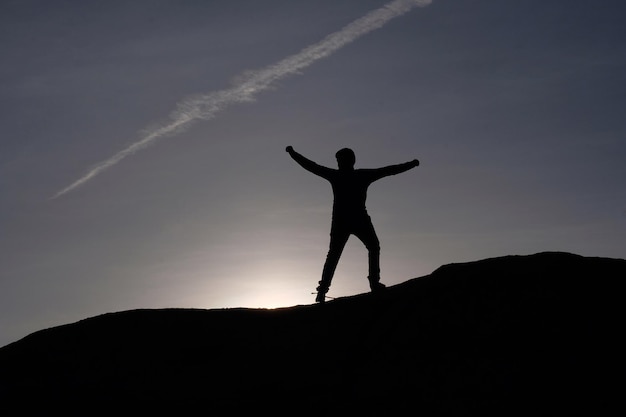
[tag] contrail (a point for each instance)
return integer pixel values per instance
(206, 106)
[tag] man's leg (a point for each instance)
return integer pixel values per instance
(338, 239)
(366, 233)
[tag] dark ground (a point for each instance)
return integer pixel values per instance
(517, 335)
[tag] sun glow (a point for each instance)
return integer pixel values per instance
(256, 283)
(270, 285)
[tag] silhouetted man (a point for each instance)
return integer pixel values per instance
(349, 213)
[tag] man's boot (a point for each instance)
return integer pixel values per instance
(321, 293)
(376, 285)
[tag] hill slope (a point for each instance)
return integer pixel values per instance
(516, 334)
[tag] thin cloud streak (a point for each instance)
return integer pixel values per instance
(207, 106)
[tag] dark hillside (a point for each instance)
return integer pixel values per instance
(518, 335)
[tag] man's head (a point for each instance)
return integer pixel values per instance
(345, 158)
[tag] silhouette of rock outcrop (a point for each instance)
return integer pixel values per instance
(518, 335)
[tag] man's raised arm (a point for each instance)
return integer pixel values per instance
(309, 165)
(395, 169)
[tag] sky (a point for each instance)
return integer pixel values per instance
(514, 109)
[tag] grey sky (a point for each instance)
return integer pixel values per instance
(515, 110)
